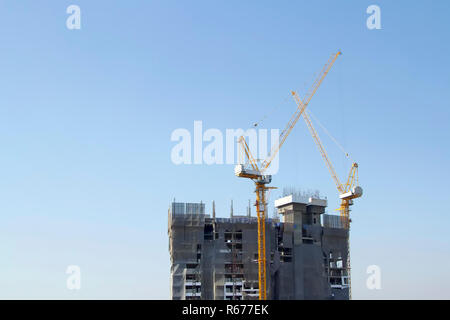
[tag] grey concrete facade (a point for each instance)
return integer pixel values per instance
(216, 258)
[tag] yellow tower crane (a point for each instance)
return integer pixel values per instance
(256, 172)
(347, 192)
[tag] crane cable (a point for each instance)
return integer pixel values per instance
(264, 117)
(347, 155)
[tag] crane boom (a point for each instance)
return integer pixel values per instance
(323, 153)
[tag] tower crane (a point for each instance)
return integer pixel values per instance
(347, 192)
(255, 170)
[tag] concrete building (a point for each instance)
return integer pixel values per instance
(216, 258)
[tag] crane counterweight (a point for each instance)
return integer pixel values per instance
(355, 192)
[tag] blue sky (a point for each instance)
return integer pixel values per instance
(86, 117)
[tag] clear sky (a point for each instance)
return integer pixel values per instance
(86, 118)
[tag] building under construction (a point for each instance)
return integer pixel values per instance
(217, 258)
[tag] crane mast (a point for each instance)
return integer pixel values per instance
(255, 172)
